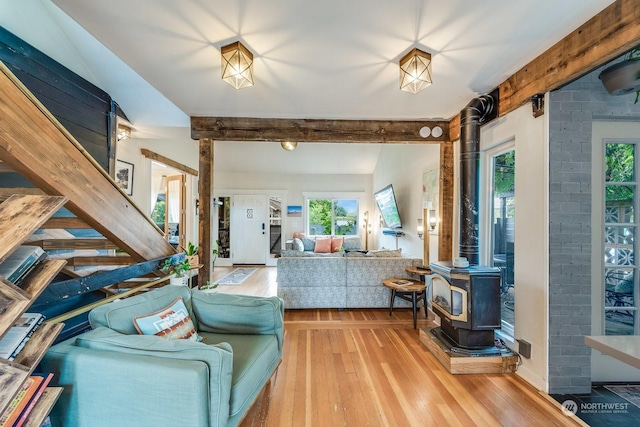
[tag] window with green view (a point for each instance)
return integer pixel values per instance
(338, 217)
(620, 231)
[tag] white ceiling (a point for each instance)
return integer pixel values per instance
(160, 59)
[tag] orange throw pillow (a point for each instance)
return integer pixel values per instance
(336, 243)
(323, 245)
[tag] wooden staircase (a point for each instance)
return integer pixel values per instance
(35, 145)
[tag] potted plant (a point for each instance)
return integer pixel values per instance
(210, 287)
(623, 77)
(214, 251)
(178, 272)
(191, 252)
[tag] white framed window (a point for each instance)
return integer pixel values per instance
(499, 171)
(334, 214)
(620, 234)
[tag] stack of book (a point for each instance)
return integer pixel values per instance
(17, 413)
(19, 334)
(21, 262)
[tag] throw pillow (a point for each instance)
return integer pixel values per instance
(298, 245)
(298, 235)
(386, 253)
(352, 244)
(323, 245)
(336, 243)
(171, 322)
(309, 244)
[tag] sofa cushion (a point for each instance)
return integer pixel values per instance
(386, 253)
(254, 359)
(352, 243)
(336, 243)
(309, 244)
(170, 322)
(217, 356)
(356, 253)
(323, 245)
(291, 253)
(118, 315)
(298, 245)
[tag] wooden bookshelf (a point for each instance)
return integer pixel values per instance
(43, 406)
(22, 216)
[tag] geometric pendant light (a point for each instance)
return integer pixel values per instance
(415, 71)
(237, 65)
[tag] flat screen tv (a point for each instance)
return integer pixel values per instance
(386, 200)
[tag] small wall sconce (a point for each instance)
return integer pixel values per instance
(433, 219)
(124, 132)
(237, 65)
(415, 71)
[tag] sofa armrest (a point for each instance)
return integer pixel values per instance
(239, 314)
(115, 379)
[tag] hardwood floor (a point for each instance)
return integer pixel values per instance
(364, 368)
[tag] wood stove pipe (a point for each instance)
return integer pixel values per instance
(479, 111)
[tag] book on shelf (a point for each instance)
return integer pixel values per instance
(18, 335)
(401, 282)
(12, 412)
(46, 379)
(21, 262)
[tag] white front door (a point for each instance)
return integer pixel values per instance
(249, 234)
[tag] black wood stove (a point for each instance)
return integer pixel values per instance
(467, 300)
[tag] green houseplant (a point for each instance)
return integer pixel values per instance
(191, 252)
(178, 272)
(210, 287)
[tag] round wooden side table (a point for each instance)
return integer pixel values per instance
(408, 290)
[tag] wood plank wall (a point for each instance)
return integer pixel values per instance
(85, 110)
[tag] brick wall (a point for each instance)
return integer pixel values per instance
(571, 112)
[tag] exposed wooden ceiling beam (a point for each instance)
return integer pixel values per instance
(167, 161)
(315, 130)
(604, 37)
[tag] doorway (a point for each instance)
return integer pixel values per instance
(249, 225)
(175, 219)
(169, 203)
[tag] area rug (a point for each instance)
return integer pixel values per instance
(627, 392)
(237, 276)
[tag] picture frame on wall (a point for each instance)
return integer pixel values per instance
(294, 210)
(124, 176)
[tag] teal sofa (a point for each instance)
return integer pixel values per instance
(112, 376)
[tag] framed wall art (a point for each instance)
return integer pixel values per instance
(124, 176)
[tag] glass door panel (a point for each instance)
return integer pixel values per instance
(620, 229)
(503, 211)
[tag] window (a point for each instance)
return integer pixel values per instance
(620, 232)
(503, 210)
(498, 225)
(328, 216)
